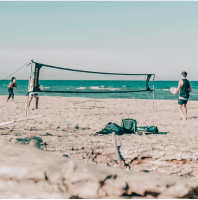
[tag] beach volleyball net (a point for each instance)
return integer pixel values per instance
(54, 79)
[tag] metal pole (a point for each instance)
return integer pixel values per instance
(28, 90)
(153, 91)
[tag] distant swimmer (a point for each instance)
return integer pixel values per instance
(184, 87)
(11, 87)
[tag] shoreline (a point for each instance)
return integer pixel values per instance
(56, 96)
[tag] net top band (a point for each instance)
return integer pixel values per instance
(84, 71)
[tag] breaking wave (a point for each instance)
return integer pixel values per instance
(103, 88)
(81, 88)
(97, 88)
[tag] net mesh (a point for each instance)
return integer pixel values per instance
(53, 79)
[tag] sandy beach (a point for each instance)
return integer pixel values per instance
(172, 152)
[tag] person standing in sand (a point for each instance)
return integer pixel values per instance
(184, 87)
(11, 87)
(33, 94)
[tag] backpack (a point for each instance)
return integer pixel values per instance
(129, 125)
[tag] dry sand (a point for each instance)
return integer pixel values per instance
(172, 152)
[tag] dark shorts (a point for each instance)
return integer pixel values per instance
(11, 93)
(182, 101)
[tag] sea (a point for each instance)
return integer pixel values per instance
(162, 88)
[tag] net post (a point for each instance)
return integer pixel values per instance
(26, 113)
(153, 92)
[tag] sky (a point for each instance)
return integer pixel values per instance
(125, 37)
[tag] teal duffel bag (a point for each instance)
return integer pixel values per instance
(151, 129)
(129, 125)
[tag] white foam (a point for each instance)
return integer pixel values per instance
(95, 88)
(114, 89)
(81, 88)
(102, 88)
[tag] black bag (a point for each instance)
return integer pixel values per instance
(112, 127)
(129, 125)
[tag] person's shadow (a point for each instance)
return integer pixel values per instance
(163, 133)
(142, 133)
(159, 133)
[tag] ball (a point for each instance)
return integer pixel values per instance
(41, 87)
(173, 90)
